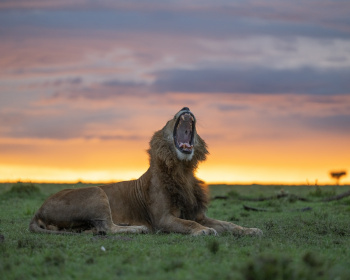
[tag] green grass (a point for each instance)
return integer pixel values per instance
(313, 244)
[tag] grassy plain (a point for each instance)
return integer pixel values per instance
(312, 244)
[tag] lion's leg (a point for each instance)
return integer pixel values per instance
(78, 210)
(128, 229)
(173, 224)
(222, 226)
(102, 226)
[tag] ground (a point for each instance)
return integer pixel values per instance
(309, 244)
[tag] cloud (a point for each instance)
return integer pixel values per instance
(337, 123)
(109, 90)
(215, 20)
(256, 81)
(60, 122)
(231, 107)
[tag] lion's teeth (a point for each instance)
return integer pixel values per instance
(183, 117)
(185, 146)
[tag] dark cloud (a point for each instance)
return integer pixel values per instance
(11, 119)
(133, 137)
(72, 81)
(255, 80)
(106, 90)
(48, 128)
(229, 107)
(119, 84)
(322, 100)
(211, 21)
(331, 124)
(66, 125)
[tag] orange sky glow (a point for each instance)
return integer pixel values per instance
(84, 86)
(242, 150)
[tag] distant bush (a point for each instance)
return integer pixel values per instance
(281, 267)
(233, 194)
(268, 267)
(318, 192)
(24, 190)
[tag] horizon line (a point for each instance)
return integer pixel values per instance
(209, 183)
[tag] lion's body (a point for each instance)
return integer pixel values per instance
(167, 198)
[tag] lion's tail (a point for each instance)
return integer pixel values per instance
(38, 226)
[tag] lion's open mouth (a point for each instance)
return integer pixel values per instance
(183, 132)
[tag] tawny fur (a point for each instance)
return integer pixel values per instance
(166, 198)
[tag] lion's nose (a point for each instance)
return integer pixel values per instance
(185, 109)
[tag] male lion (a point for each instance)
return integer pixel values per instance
(167, 198)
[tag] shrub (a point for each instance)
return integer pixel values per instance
(318, 192)
(233, 194)
(268, 267)
(23, 190)
(213, 246)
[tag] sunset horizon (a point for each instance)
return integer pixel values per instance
(215, 170)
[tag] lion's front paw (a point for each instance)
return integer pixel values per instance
(141, 229)
(133, 229)
(204, 231)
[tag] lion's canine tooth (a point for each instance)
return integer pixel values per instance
(183, 117)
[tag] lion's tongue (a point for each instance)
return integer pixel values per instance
(184, 133)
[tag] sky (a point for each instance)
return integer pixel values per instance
(85, 84)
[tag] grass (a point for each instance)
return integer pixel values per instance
(313, 244)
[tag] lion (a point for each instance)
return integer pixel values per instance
(166, 198)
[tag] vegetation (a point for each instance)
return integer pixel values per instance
(23, 190)
(337, 175)
(297, 244)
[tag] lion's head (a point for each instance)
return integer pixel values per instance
(178, 141)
